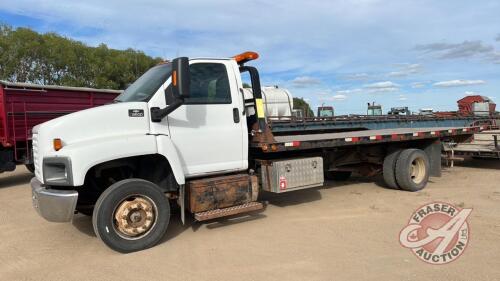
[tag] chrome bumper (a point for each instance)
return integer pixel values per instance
(52, 204)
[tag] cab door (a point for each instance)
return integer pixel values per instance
(209, 130)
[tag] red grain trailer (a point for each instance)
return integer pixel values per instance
(23, 106)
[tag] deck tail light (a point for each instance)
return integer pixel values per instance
(57, 144)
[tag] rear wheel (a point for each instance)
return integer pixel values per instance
(412, 170)
(389, 169)
(131, 215)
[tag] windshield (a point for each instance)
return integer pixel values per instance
(145, 87)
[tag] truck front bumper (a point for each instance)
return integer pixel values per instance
(52, 204)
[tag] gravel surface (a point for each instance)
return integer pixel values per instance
(344, 231)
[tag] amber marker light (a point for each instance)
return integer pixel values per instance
(57, 144)
(174, 78)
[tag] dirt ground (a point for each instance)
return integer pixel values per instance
(345, 231)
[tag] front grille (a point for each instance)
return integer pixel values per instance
(38, 172)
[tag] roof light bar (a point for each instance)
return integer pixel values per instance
(245, 57)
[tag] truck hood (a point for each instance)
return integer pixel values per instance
(113, 120)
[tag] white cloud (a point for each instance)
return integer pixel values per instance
(333, 98)
(406, 69)
(304, 81)
(346, 92)
(382, 87)
(357, 76)
(471, 93)
(458, 83)
(402, 98)
(417, 85)
(458, 50)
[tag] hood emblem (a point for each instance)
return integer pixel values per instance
(136, 113)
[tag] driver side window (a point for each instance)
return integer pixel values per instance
(209, 84)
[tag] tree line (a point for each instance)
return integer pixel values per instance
(51, 59)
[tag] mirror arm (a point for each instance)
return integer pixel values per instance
(157, 114)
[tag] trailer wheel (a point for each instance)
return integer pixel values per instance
(30, 167)
(389, 169)
(412, 169)
(338, 175)
(131, 215)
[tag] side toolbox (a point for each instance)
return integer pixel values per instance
(293, 174)
(221, 192)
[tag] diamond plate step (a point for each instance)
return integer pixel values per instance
(218, 213)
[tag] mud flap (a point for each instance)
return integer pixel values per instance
(433, 150)
(182, 203)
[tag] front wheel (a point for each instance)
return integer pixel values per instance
(131, 215)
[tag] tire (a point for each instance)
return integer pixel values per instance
(389, 169)
(338, 175)
(131, 205)
(412, 170)
(30, 167)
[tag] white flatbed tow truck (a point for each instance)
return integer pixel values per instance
(185, 134)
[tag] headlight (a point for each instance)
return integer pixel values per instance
(57, 171)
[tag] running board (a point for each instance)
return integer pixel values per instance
(218, 213)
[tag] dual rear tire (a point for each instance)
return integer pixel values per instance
(406, 169)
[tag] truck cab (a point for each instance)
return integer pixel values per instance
(180, 120)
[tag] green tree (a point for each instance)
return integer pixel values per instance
(28, 56)
(300, 103)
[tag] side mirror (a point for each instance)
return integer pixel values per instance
(180, 89)
(180, 77)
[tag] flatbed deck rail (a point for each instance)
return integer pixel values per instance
(329, 140)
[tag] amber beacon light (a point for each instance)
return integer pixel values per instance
(245, 57)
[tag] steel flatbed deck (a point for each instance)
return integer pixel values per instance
(329, 140)
(362, 122)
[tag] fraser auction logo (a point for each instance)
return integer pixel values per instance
(437, 233)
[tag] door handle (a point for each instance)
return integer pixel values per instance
(236, 115)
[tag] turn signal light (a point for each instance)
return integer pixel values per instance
(246, 56)
(57, 144)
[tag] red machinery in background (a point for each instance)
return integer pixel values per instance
(471, 106)
(476, 105)
(23, 106)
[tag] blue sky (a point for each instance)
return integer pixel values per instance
(338, 52)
